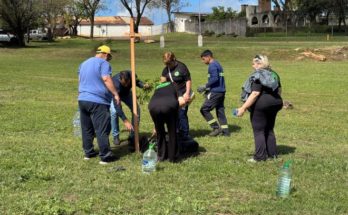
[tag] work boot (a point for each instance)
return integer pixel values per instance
(215, 132)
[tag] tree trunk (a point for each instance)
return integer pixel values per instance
(136, 24)
(92, 27)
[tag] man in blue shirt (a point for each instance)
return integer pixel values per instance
(96, 90)
(215, 95)
(123, 84)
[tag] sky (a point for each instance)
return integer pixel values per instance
(114, 8)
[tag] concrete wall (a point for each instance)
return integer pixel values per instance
(230, 26)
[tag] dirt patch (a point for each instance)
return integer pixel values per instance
(323, 54)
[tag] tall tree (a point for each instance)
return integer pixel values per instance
(170, 6)
(75, 12)
(19, 15)
(52, 11)
(91, 7)
(140, 6)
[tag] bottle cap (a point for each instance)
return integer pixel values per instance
(287, 164)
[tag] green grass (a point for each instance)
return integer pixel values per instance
(42, 170)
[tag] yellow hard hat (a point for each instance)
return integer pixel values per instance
(104, 49)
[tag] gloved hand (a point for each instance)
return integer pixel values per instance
(201, 88)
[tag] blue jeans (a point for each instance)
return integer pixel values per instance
(183, 123)
(115, 126)
(95, 119)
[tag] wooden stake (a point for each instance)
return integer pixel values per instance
(132, 36)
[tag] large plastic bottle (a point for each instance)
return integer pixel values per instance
(149, 160)
(284, 181)
(77, 124)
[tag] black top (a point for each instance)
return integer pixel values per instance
(164, 100)
(180, 75)
(267, 97)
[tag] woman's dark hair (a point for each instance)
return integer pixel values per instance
(207, 53)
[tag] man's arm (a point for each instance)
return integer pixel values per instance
(110, 86)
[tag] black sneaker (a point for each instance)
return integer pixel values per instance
(89, 156)
(107, 160)
(215, 132)
(117, 140)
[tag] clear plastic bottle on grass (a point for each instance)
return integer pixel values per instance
(149, 160)
(284, 181)
(77, 124)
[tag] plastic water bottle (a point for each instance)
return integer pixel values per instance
(77, 124)
(284, 181)
(234, 112)
(149, 160)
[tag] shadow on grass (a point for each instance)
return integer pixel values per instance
(283, 149)
(204, 132)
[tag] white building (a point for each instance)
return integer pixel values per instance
(180, 19)
(113, 26)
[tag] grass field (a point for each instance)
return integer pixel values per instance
(42, 167)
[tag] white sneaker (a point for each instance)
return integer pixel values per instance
(252, 160)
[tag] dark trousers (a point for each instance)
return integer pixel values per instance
(95, 119)
(215, 100)
(166, 149)
(183, 123)
(263, 121)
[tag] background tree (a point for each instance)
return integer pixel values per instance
(19, 15)
(75, 12)
(170, 6)
(140, 6)
(91, 7)
(52, 11)
(219, 13)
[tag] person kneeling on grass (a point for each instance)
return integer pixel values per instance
(215, 96)
(123, 83)
(261, 96)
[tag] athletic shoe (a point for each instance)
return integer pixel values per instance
(107, 160)
(92, 155)
(252, 160)
(215, 132)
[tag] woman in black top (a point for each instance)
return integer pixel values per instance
(263, 102)
(163, 107)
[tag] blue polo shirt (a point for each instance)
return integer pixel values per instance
(91, 84)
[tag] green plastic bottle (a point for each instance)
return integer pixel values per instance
(284, 181)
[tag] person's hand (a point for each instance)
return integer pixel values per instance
(240, 112)
(128, 125)
(181, 101)
(201, 88)
(187, 97)
(117, 99)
